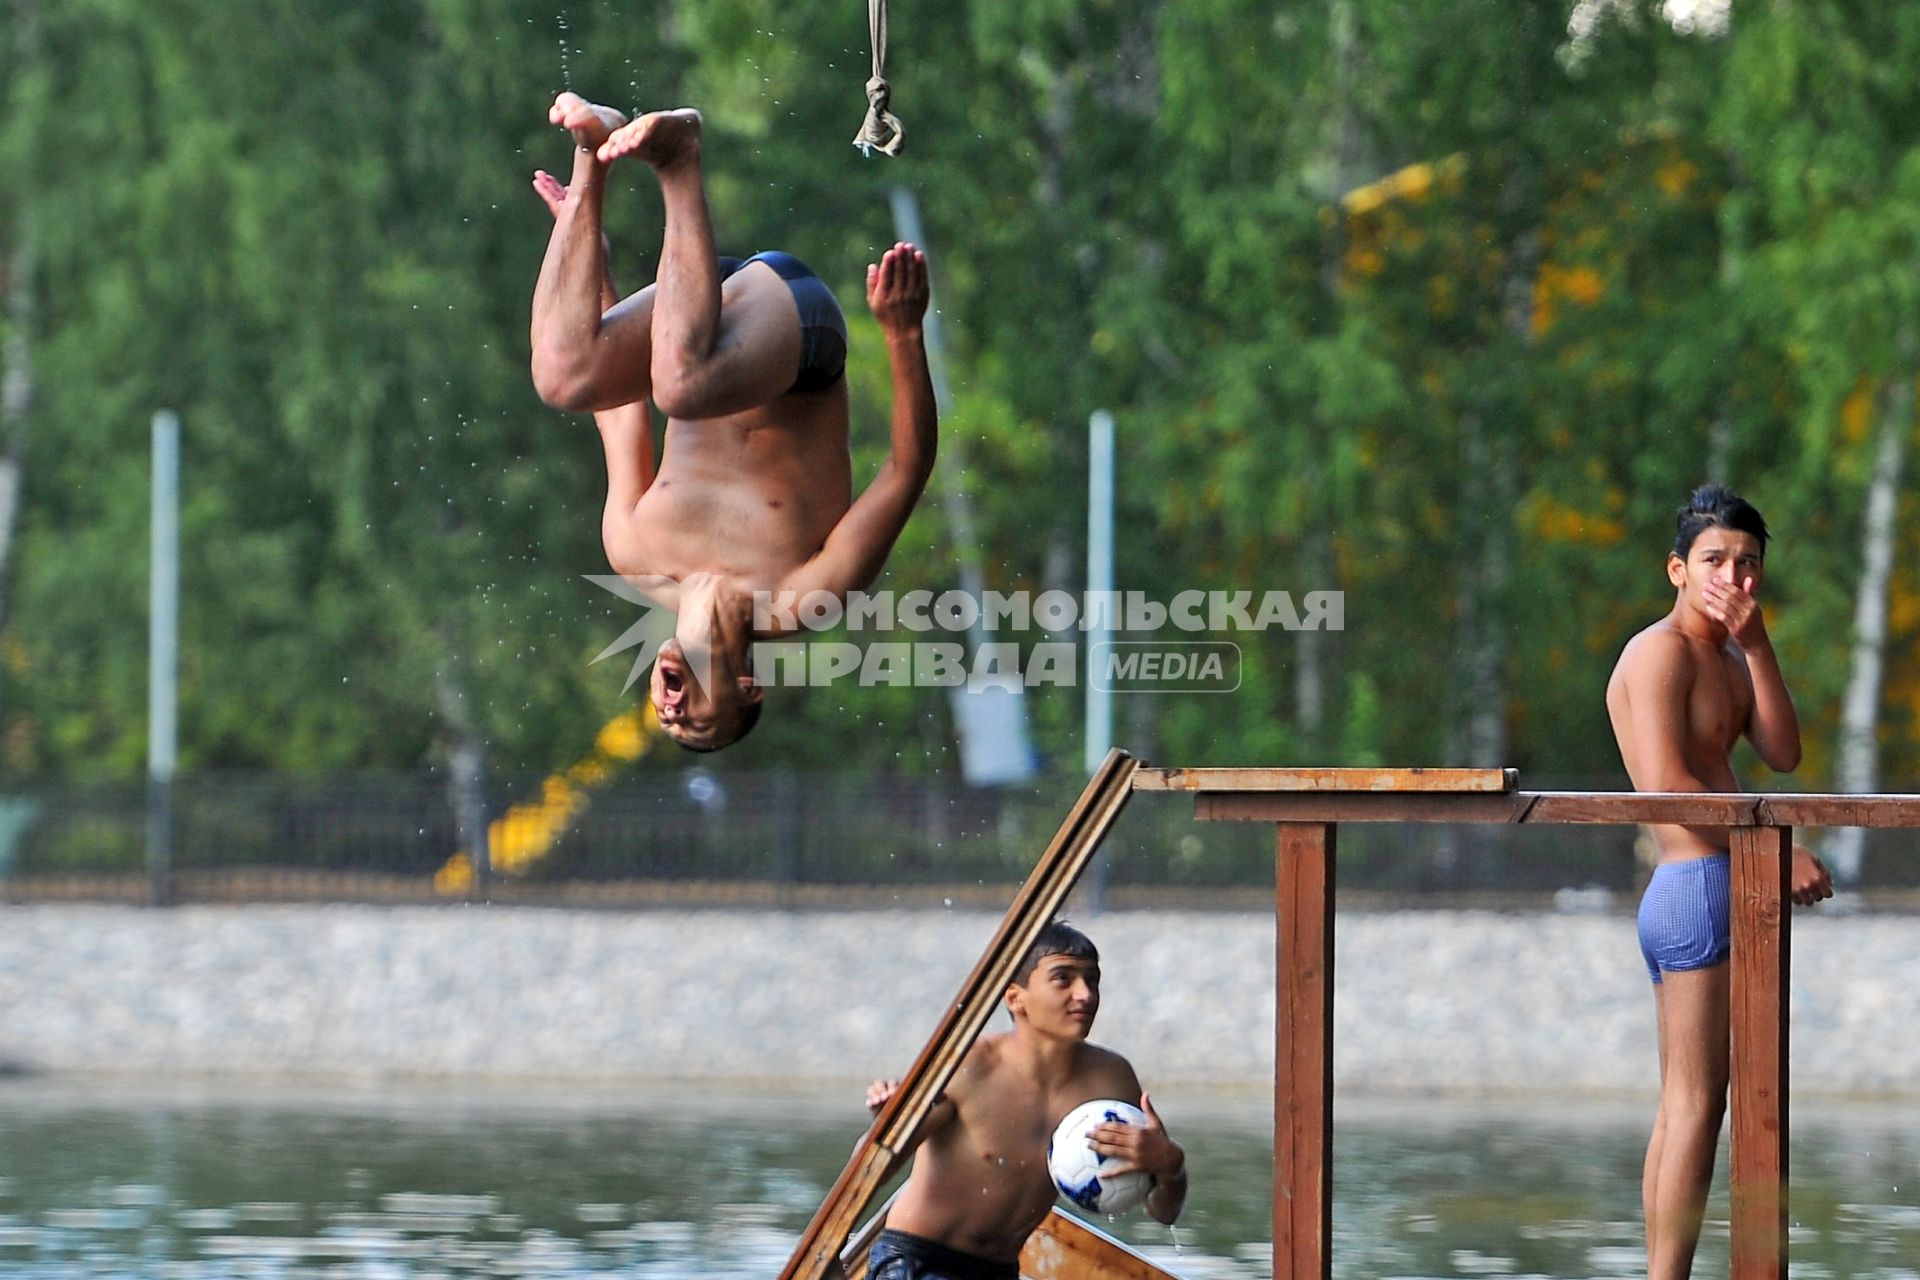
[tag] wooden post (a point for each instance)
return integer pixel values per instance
(1762, 867)
(1303, 1053)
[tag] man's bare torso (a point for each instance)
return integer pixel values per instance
(751, 497)
(980, 1183)
(1718, 706)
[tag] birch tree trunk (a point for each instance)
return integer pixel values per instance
(466, 775)
(1309, 645)
(1492, 483)
(1858, 767)
(1481, 652)
(16, 357)
(1489, 493)
(16, 399)
(1719, 459)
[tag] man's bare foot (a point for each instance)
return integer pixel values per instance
(664, 139)
(550, 190)
(590, 123)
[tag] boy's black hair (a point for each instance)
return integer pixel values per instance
(1058, 939)
(1714, 506)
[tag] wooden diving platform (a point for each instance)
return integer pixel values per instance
(1306, 805)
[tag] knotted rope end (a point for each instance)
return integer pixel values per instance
(881, 131)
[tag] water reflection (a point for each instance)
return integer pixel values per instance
(673, 1184)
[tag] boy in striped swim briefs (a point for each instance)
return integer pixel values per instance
(1684, 691)
(752, 494)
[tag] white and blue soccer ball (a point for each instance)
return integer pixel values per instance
(1077, 1167)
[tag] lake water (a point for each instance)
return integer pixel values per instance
(682, 1183)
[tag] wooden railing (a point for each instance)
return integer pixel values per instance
(1306, 806)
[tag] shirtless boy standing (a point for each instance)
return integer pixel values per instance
(1684, 691)
(754, 489)
(979, 1184)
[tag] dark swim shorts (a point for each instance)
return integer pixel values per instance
(823, 330)
(1684, 917)
(899, 1256)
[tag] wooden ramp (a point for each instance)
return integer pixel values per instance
(1067, 1248)
(881, 1152)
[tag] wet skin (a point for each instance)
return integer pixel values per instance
(979, 1181)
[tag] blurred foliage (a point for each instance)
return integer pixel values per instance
(1444, 303)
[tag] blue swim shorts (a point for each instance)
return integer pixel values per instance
(1685, 915)
(823, 329)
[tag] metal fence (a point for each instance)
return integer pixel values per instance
(785, 835)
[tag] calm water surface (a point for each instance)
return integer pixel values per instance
(680, 1183)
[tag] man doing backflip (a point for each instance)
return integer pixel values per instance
(753, 492)
(1684, 691)
(979, 1184)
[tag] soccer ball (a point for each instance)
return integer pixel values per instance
(1076, 1167)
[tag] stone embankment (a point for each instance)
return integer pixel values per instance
(1427, 1001)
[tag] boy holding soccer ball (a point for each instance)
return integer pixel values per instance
(980, 1184)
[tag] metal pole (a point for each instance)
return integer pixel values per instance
(1099, 698)
(955, 500)
(990, 723)
(163, 654)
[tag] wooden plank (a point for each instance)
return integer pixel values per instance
(1305, 806)
(1555, 808)
(1810, 810)
(846, 1200)
(853, 1254)
(1773, 809)
(1064, 1247)
(1494, 781)
(1610, 807)
(1535, 807)
(1303, 1053)
(1761, 869)
(884, 1147)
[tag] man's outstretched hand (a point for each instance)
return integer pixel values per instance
(550, 189)
(897, 289)
(554, 194)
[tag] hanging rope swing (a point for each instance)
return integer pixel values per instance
(881, 131)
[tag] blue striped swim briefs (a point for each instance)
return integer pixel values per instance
(823, 329)
(1684, 917)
